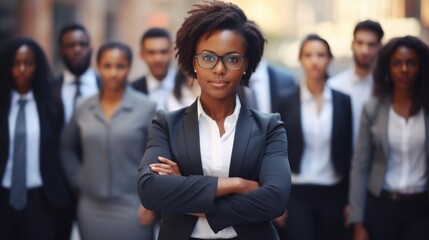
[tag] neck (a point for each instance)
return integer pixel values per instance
(160, 77)
(112, 96)
(23, 90)
(218, 109)
(401, 96)
(315, 86)
(362, 72)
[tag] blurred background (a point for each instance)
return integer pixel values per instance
(284, 23)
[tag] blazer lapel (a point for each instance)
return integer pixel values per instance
(192, 138)
(243, 132)
(383, 124)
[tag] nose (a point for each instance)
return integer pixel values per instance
(219, 68)
(22, 67)
(404, 67)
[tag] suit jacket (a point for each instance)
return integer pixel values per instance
(57, 89)
(280, 84)
(370, 159)
(259, 153)
(101, 157)
(140, 85)
(341, 138)
(53, 177)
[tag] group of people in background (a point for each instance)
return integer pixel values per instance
(214, 164)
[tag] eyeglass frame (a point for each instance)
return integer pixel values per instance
(221, 58)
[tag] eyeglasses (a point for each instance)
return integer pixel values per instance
(232, 61)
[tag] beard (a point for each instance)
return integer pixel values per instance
(80, 68)
(362, 64)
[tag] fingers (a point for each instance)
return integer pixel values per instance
(162, 169)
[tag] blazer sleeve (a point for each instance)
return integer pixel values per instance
(196, 193)
(171, 194)
(360, 168)
(270, 199)
(70, 151)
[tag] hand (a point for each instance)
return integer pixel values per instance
(360, 232)
(146, 216)
(346, 212)
(281, 221)
(200, 215)
(247, 185)
(166, 167)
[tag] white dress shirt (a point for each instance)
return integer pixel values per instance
(88, 88)
(260, 83)
(359, 89)
(216, 153)
(406, 163)
(32, 125)
(159, 91)
(316, 163)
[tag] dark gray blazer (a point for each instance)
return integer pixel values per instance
(370, 159)
(259, 153)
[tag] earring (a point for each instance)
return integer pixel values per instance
(244, 73)
(195, 70)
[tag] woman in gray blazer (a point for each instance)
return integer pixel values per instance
(101, 150)
(390, 166)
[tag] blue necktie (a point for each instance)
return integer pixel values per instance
(18, 190)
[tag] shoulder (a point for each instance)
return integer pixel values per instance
(281, 74)
(338, 80)
(340, 95)
(139, 80)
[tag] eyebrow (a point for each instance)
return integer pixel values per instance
(206, 50)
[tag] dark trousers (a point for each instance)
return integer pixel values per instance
(38, 220)
(316, 212)
(66, 217)
(396, 220)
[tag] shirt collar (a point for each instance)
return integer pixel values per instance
(17, 96)
(126, 101)
(307, 96)
(356, 79)
(233, 117)
(69, 78)
(166, 83)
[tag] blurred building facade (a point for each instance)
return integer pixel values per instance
(284, 22)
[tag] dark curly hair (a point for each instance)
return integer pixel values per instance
(209, 16)
(383, 86)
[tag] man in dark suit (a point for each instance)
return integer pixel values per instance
(77, 82)
(266, 85)
(156, 50)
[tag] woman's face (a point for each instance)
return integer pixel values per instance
(23, 68)
(404, 67)
(113, 67)
(314, 59)
(220, 82)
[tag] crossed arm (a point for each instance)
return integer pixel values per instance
(224, 201)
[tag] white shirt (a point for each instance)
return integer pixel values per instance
(260, 82)
(88, 88)
(216, 153)
(158, 91)
(406, 163)
(316, 163)
(359, 89)
(32, 125)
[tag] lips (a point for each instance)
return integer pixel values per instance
(218, 83)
